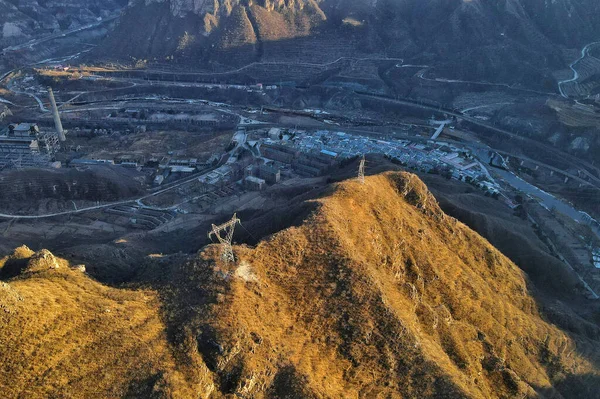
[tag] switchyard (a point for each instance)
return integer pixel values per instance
(25, 145)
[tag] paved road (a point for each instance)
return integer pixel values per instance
(5, 101)
(34, 96)
(103, 206)
(576, 162)
(584, 53)
(412, 103)
(594, 180)
(486, 106)
(547, 200)
(5, 74)
(248, 66)
(35, 42)
(421, 75)
(46, 61)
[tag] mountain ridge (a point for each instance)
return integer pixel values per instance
(507, 38)
(377, 293)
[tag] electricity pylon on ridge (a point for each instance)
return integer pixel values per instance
(361, 170)
(228, 228)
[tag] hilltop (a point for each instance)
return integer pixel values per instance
(64, 334)
(377, 293)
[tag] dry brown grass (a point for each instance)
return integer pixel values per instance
(287, 24)
(380, 293)
(377, 294)
(81, 70)
(64, 335)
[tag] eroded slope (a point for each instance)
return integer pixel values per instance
(376, 294)
(380, 293)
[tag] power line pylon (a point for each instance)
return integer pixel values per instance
(228, 228)
(361, 170)
(18, 163)
(51, 141)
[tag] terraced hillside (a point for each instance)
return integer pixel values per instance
(585, 71)
(38, 190)
(377, 294)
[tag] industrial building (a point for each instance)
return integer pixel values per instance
(90, 162)
(219, 175)
(254, 183)
(130, 160)
(24, 145)
(275, 134)
(192, 162)
(310, 165)
(278, 152)
(271, 175)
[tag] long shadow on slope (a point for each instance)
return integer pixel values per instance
(191, 286)
(555, 288)
(117, 263)
(508, 233)
(12, 268)
(574, 386)
(290, 385)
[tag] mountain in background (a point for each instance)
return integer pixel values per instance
(376, 294)
(501, 40)
(203, 29)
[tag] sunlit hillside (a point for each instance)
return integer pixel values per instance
(377, 294)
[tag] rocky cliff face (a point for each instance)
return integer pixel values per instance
(180, 8)
(197, 29)
(490, 40)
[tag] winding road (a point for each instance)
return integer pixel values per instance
(260, 63)
(111, 204)
(584, 53)
(35, 42)
(34, 96)
(421, 75)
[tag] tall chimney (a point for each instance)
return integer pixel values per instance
(57, 122)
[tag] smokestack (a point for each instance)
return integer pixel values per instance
(57, 122)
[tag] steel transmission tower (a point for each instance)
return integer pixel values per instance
(228, 228)
(361, 170)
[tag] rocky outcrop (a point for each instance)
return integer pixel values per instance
(500, 40)
(180, 8)
(198, 30)
(377, 293)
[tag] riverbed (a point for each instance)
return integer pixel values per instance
(547, 200)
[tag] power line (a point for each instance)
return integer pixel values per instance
(250, 234)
